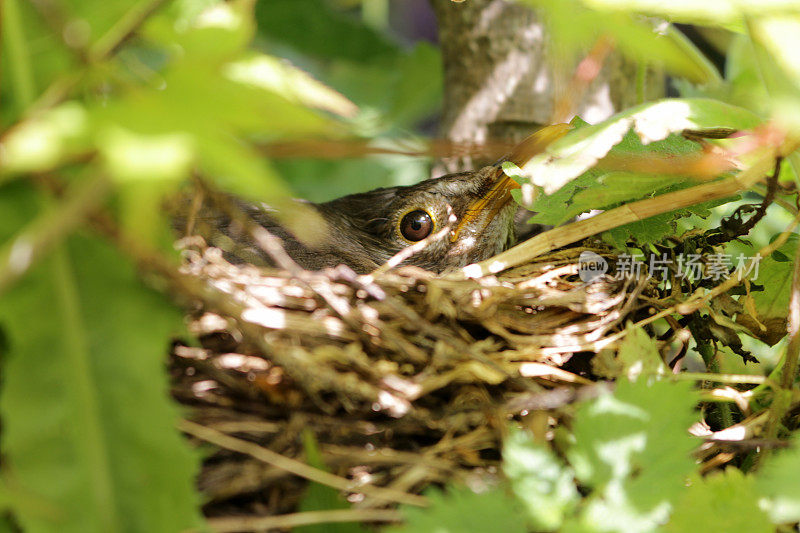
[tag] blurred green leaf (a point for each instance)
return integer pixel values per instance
(87, 424)
(573, 28)
(280, 77)
(460, 510)
(632, 447)
(131, 157)
(639, 356)
(313, 26)
(723, 13)
(540, 480)
(43, 142)
(722, 501)
(777, 485)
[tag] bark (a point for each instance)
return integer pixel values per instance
(499, 83)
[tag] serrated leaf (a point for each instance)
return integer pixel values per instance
(541, 481)
(632, 448)
(777, 485)
(638, 354)
(460, 510)
(580, 149)
(722, 501)
(774, 274)
(87, 423)
(599, 189)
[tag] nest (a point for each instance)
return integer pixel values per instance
(402, 381)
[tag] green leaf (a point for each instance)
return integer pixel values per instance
(708, 13)
(774, 274)
(600, 189)
(573, 27)
(41, 143)
(633, 449)
(722, 501)
(777, 485)
(580, 149)
(638, 356)
(460, 510)
(654, 229)
(312, 26)
(540, 480)
(277, 76)
(87, 423)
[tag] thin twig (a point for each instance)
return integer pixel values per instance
(288, 521)
(632, 212)
(296, 467)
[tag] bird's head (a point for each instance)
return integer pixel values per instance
(466, 217)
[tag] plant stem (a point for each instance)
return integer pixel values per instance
(19, 61)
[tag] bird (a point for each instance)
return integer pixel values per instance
(455, 220)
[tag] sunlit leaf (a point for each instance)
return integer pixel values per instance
(43, 142)
(280, 77)
(579, 150)
(722, 501)
(460, 509)
(540, 480)
(632, 448)
(777, 485)
(131, 157)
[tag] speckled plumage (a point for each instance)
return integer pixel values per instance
(362, 229)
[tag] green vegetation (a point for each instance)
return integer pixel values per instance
(111, 107)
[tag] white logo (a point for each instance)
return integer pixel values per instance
(591, 266)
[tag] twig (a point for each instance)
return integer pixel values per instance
(632, 212)
(265, 240)
(732, 227)
(288, 521)
(296, 467)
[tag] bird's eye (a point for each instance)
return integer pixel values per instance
(416, 225)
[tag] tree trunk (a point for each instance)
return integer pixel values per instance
(499, 84)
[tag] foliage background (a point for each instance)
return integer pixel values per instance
(110, 107)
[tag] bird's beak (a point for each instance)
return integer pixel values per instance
(499, 195)
(489, 205)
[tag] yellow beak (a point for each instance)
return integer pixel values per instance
(500, 193)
